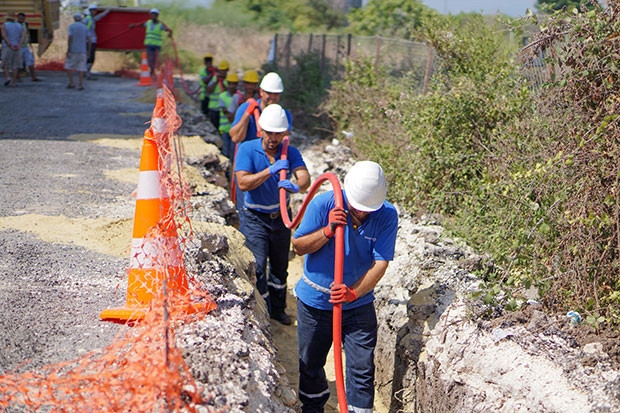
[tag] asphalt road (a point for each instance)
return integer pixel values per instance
(53, 173)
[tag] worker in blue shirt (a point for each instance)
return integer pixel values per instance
(244, 127)
(370, 227)
(257, 170)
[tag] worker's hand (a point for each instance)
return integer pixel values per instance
(289, 186)
(252, 104)
(278, 166)
(341, 294)
(337, 216)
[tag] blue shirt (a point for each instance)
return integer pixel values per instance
(251, 131)
(252, 158)
(13, 32)
(373, 241)
(79, 37)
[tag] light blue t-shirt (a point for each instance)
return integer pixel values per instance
(79, 35)
(13, 32)
(252, 158)
(251, 131)
(374, 240)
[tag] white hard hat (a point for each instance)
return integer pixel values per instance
(92, 7)
(154, 11)
(273, 119)
(365, 186)
(272, 83)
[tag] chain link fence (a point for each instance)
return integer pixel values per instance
(402, 57)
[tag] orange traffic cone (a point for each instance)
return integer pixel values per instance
(145, 72)
(155, 254)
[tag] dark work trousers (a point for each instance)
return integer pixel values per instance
(204, 106)
(269, 240)
(359, 336)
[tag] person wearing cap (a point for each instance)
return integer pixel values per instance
(217, 85)
(370, 225)
(207, 72)
(27, 56)
(153, 39)
(12, 36)
(226, 118)
(257, 169)
(250, 91)
(244, 126)
(78, 49)
(92, 17)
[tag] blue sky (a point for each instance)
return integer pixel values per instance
(513, 8)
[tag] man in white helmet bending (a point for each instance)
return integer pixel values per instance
(257, 171)
(370, 226)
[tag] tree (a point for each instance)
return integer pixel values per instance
(390, 18)
(554, 5)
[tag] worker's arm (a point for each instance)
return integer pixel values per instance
(248, 181)
(302, 178)
(102, 15)
(69, 43)
(312, 242)
(90, 45)
(370, 280)
(307, 244)
(240, 129)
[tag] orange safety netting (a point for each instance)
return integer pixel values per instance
(143, 370)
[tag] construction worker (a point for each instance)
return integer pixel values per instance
(205, 75)
(27, 56)
(12, 37)
(91, 19)
(370, 226)
(216, 86)
(250, 91)
(244, 125)
(257, 170)
(153, 40)
(226, 117)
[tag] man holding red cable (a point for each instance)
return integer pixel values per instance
(370, 226)
(257, 170)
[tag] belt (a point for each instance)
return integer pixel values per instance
(272, 215)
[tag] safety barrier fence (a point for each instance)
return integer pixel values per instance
(142, 370)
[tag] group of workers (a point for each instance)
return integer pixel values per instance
(258, 127)
(253, 124)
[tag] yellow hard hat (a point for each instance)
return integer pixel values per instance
(208, 56)
(251, 76)
(223, 65)
(232, 78)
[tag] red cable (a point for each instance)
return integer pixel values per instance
(338, 262)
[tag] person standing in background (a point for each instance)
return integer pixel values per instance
(216, 86)
(153, 40)
(207, 72)
(226, 117)
(27, 56)
(12, 37)
(91, 19)
(78, 47)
